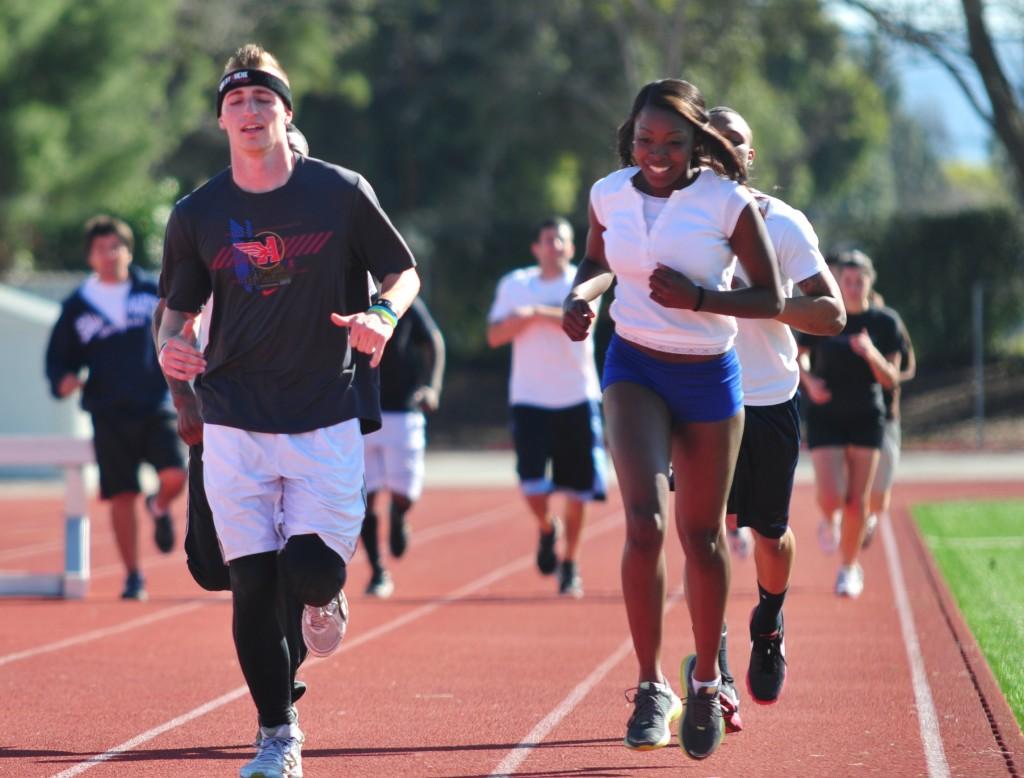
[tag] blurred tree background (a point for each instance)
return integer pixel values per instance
(474, 119)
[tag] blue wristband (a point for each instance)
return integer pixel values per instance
(385, 313)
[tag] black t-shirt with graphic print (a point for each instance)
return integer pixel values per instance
(278, 264)
(847, 375)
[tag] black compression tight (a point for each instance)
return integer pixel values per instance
(260, 586)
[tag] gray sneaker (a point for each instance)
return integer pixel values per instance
(278, 753)
(323, 627)
(655, 708)
(702, 729)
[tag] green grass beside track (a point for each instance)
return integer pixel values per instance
(979, 546)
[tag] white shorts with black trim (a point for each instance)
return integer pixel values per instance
(263, 488)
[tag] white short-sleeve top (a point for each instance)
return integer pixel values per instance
(691, 235)
(766, 347)
(548, 370)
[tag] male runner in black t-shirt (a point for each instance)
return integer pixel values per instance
(410, 384)
(285, 245)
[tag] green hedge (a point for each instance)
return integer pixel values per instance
(928, 265)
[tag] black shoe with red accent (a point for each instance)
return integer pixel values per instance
(767, 672)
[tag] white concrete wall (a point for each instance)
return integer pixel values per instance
(26, 405)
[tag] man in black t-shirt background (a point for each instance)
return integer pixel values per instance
(411, 373)
(286, 246)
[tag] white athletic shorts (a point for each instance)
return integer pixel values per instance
(394, 454)
(263, 487)
(888, 456)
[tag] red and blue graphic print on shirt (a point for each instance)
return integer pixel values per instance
(265, 261)
(260, 259)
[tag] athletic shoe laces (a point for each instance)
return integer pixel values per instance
(705, 705)
(649, 707)
(274, 752)
(767, 650)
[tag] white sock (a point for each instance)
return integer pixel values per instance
(664, 687)
(698, 685)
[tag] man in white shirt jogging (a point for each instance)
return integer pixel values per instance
(763, 481)
(554, 394)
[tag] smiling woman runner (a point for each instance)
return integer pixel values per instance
(671, 378)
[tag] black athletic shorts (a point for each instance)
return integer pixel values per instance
(202, 549)
(763, 482)
(122, 443)
(827, 427)
(571, 439)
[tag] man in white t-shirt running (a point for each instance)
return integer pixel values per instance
(554, 395)
(763, 482)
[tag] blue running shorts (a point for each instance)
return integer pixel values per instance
(693, 391)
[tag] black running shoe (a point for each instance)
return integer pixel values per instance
(655, 707)
(702, 729)
(569, 582)
(767, 672)
(547, 560)
(398, 535)
(163, 529)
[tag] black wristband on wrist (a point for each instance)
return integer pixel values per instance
(386, 303)
(700, 298)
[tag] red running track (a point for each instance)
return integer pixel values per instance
(476, 668)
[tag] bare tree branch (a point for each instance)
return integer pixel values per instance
(934, 45)
(1008, 117)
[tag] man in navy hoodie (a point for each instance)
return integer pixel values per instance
(104, 326)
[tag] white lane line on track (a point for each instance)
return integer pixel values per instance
(422, 536)
(427, 535)
(96, 634)
(928, 719)
(615, 520)
(536, 736)
(470, 522)
(35, 548)
(167, 726)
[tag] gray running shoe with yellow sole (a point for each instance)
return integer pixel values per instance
(655, 708)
